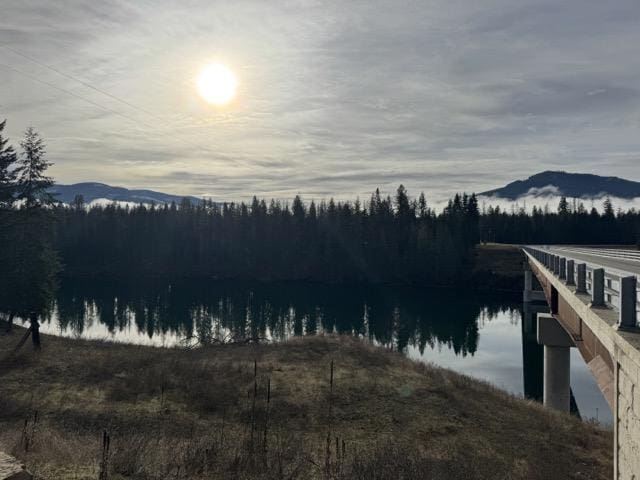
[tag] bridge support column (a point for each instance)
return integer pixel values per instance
(532, 352)
(557, 363)
(557, 387)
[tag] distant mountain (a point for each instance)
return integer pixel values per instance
(578, 185)
(94, 191)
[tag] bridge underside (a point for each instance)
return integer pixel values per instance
(593, 351)
(594, 302)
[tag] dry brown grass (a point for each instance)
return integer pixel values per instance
(178, 414)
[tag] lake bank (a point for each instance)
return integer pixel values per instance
(477, 333)
(203, 414)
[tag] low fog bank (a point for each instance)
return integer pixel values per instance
(527, 202)
(550, 202)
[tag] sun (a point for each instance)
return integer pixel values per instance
(217, 84)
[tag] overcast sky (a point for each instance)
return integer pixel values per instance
(335, 97)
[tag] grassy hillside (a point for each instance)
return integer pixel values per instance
(206, 413)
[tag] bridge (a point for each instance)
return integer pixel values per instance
(592, 305)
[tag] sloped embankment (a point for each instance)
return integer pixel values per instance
(270, 411)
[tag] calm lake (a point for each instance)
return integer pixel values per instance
(481, 335)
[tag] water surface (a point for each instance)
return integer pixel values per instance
(486, 336)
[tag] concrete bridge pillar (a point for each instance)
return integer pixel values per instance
(557, 383)
(532, 352)
(528, 278)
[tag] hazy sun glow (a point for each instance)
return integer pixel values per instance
(217, 84)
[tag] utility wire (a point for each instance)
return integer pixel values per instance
(69, 92)
(82, 82)
(96, 89)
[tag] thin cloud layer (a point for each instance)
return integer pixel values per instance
(335, 98)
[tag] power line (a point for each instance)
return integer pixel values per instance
(106, 109)
(82, 82)
(69, 92)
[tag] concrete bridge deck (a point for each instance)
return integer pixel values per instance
(621, 260)
(592, 296)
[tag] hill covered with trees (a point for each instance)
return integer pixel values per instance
(576, 185)
(91, 191)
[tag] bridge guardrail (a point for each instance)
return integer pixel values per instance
(606, 288)
(606, 253)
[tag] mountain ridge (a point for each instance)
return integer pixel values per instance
(95, 190)
(558, 182)
(547, 183)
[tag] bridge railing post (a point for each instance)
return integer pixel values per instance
(571, 272)
(563, 268)
(597, 287)
(582, 278)
(628, 298)
(556, 264)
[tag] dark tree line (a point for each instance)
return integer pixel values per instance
(384, 240)
(387, 240)
(28, 262)
(570, 223)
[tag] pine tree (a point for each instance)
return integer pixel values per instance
(298, 208)
(78, 203)
(402, 203)
(422, 206)
(563, 207)
(35, 262)
(8, 159)
(607, 207)
(7, 195)
(33, 184)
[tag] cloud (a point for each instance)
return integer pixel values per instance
(547, 191)
(335, 98)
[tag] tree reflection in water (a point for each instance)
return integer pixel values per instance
(208, 311)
